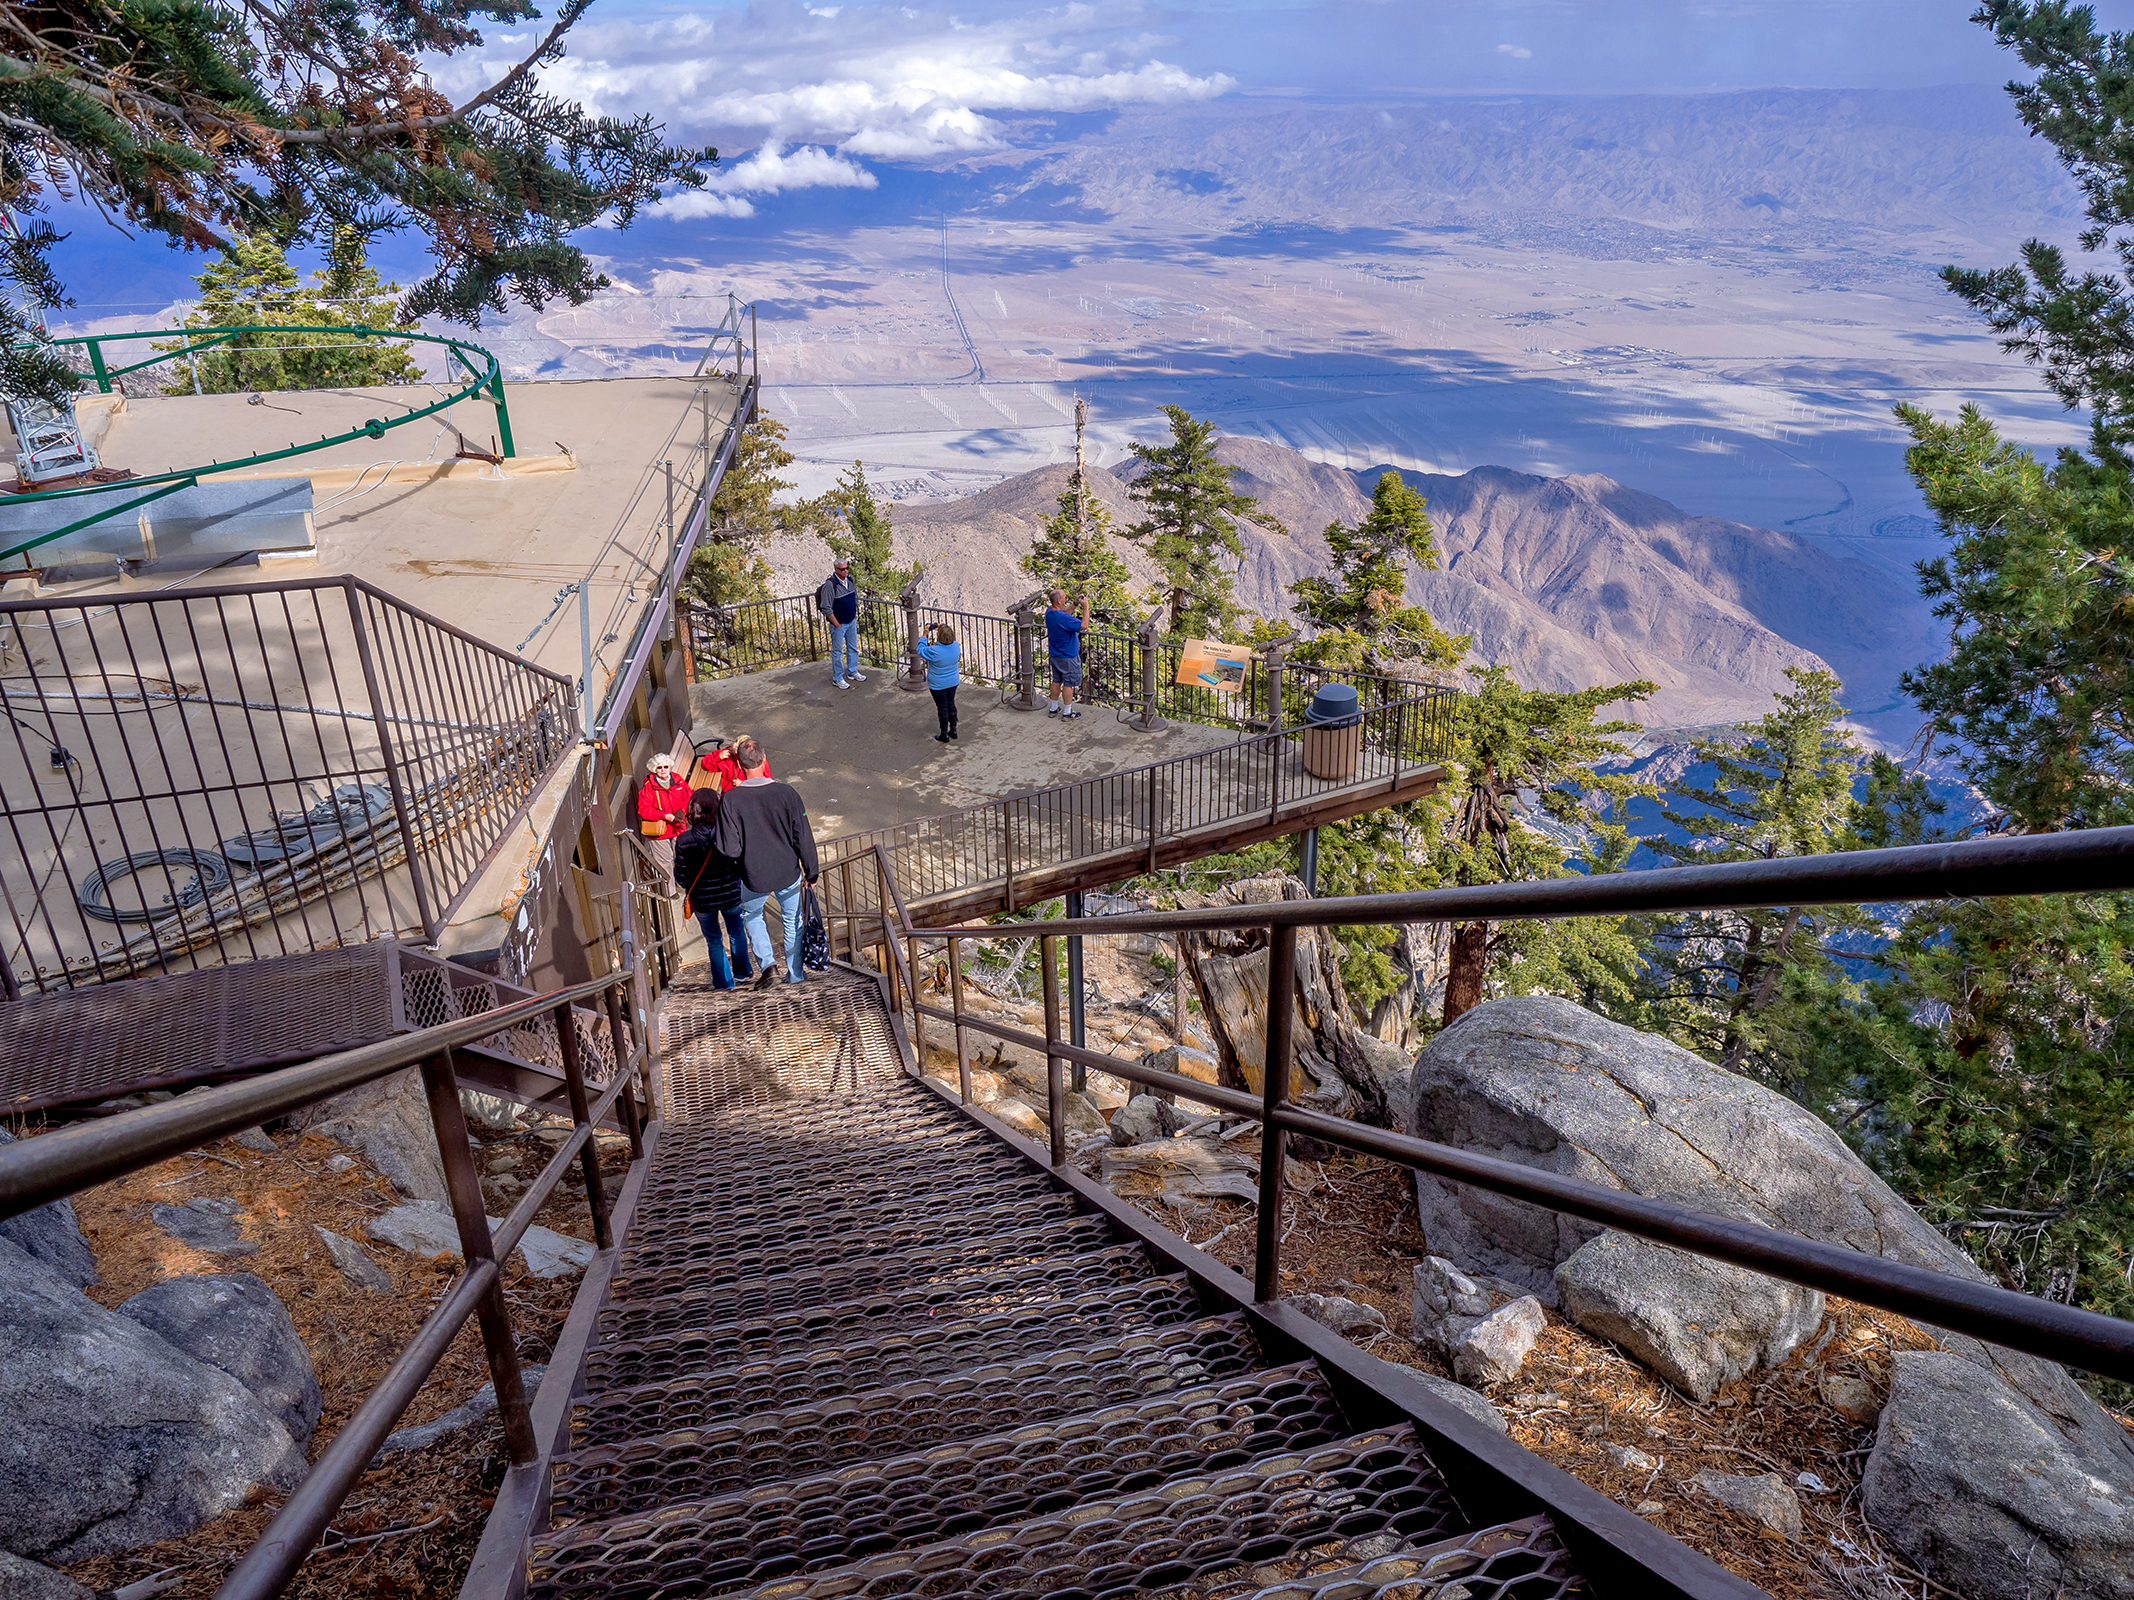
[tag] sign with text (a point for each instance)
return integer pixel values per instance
(1211, 664)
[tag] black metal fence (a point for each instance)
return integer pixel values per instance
(1135, 813)
(2095, 861)
(227, 773)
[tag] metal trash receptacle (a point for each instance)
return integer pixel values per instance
(1333, 733)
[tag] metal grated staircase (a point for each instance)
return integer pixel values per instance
(856, 1343)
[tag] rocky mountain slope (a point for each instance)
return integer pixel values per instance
(1568, 581)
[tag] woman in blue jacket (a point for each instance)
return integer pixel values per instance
(944, 670)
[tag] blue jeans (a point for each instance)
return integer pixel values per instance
(724, 976)
(844, 649)
(759, 937)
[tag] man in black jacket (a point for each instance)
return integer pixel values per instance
(839, 601)
(763, 824)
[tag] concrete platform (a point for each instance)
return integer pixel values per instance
(864, 758)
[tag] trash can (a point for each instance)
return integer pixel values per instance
(1333, 733)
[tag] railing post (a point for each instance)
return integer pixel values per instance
(621, 1033)
(1077, 1031)
(913, 677)
(1148, 721)
(667, 467)
(1274, 1089)
(963, 1038)
(1155, 790)
(395, 786)
(1025, 696)
(441, 1087)
(1007, 855)
(1055, 1086)
(1311, 861)
(918, 1026)
(596, 1198)
(96, 365)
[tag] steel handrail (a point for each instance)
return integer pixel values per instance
(35, 1172)
(2095, 860)
(2084, 861)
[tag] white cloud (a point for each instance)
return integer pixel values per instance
(1518, 52)
(882, 81)
(769, 169)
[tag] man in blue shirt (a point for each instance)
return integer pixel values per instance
(839, 601)
(1063, 644)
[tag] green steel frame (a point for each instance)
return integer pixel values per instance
(484, 382)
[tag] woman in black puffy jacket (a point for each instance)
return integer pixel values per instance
(713, 884)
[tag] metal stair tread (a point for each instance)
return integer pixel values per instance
(898, 1502)
(1343, 1503)
(740, 1228)
(1522, 1560)
(678, 1173)
(688, 1395)
(772, 1281)
(604, 1481)
(1005, 1285)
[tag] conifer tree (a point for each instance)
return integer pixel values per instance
(1358, 610)
(728, 567)
(859, 530)
(1073, 550)
(210, 122)
(1784, 788)
(1191, 531)
(254, 284)
(1526, 758)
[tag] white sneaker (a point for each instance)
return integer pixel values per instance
(858, 677)
(842, 684)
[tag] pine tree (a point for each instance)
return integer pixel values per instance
(1358, 612)
(728, 567)
(1526, 757)
(211, 122)
(1191, 531)
(1073, 550)
(1727, 979)
(866, 540)
(254, 284)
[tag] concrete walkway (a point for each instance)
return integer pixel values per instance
(865, 758)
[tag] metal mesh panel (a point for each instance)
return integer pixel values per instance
(943, 1492)
(692, 1463)
(694, 1179)
(434, 992)
(1348, 1501)
(1515, 1561)
(823, 1040)
(789, 1237)
(839, 1299)
(878, 1202)
(766, 1282)
(681, 1389)
(109, 1039)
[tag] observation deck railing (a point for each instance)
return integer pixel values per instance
(218, 774)
(2092, 861)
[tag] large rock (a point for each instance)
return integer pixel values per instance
(1336, 1067)
(1144, 1118)
(214, 1226)
(1447, 1304)
(233, 1321)
(1539, 1081)
(427, 1230)
(52, 1235)
(1697, 1323)
(354, 1262)
(1764, 1496)
(30, 1580)
(1352, 1319)
(114, 1437)
(1494, 1349)
(389, 1121)
(1985, 1497)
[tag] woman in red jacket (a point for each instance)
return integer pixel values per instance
(662, 807)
